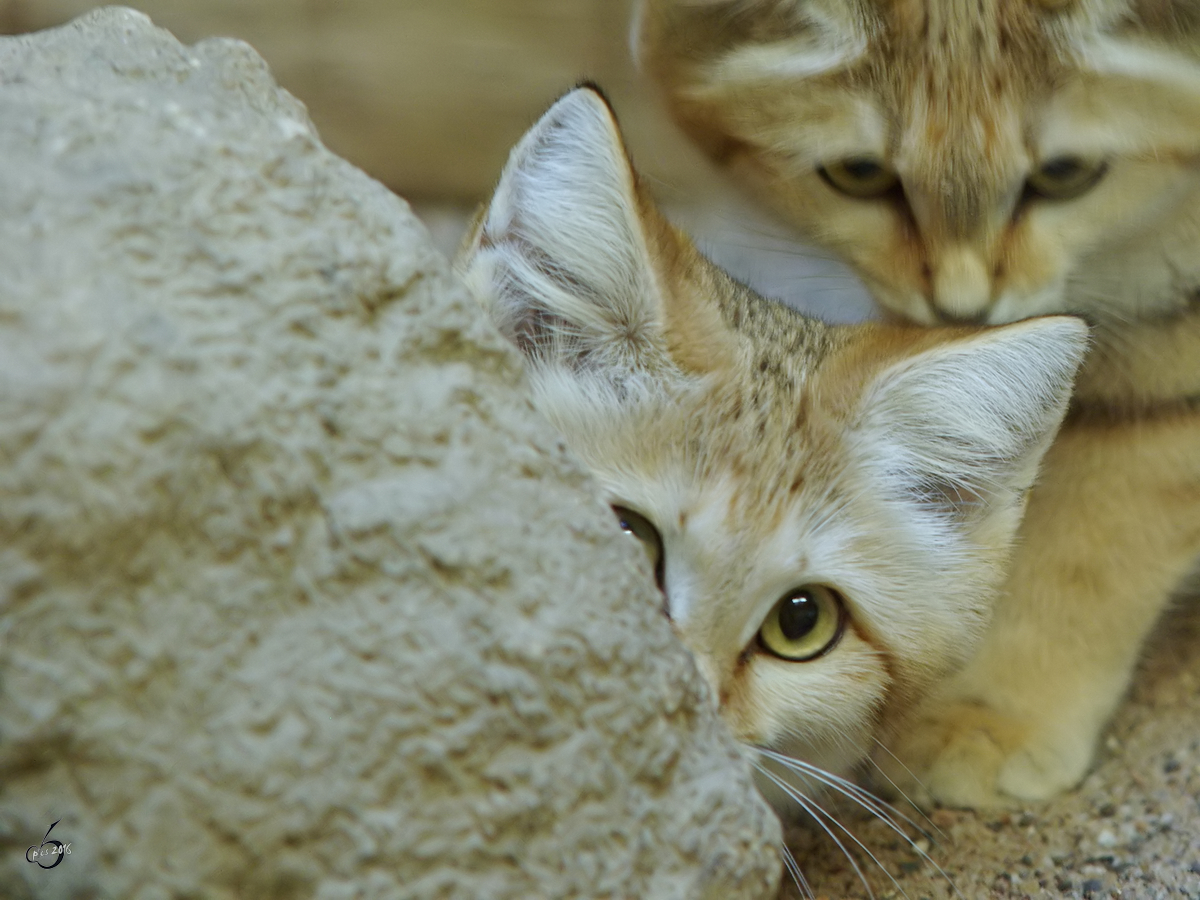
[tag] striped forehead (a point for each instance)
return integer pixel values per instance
(761, 437)
(959, 76)
(976, 32)
(953, 60)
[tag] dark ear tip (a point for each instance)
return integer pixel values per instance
(589, 85)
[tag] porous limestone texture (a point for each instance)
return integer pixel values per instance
(298, 596)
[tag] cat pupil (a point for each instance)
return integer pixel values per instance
(798, 616)
(1065, 178)
(862, 168)
(1062, 167)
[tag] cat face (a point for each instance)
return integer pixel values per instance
(974, 161)
(826, 510)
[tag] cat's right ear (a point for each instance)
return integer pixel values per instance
(567, 255)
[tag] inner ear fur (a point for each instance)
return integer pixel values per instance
(958, 419)
(579, 267)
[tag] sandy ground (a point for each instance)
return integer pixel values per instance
(1131, 830)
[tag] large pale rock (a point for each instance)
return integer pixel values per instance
(297, 595)
(428, 95)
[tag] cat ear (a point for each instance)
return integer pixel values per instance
(960, 429)
(561, 253)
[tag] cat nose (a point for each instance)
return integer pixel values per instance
(962, 289)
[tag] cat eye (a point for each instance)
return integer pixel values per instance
(806, 623)
(860, 177)
(638, 526)
(1065, 178)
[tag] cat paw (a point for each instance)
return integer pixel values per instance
(968, 755)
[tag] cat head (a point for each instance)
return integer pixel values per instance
(974, 161)
(826, 510)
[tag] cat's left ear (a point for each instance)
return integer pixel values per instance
(959, 428)
(578, 268)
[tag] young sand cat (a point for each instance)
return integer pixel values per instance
(986, 161)
(827, 510)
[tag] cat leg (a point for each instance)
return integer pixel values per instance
(1112, 528)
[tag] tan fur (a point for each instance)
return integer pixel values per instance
(963, 100)
(1109, 534)
(768, 449)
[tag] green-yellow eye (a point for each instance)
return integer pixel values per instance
(639, 526)
(806, 623)
(1065, 177)
(860, 177)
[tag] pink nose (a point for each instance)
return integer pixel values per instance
(962, 289)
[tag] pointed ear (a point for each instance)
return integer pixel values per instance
(959, 430)
(561, 254)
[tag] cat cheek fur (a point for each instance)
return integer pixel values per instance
(789, 708)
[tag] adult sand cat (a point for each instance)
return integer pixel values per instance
(986, 161)
(828, 510)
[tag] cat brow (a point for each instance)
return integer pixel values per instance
(785, 59)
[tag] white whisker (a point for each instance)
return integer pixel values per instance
(882, 746)
(793, 868)
(876, 806)
(900, 791)
(815, 811)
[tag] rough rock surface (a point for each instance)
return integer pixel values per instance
(298, 598)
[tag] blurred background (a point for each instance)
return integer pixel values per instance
(428, 96)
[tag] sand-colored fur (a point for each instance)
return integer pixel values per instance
(966, 105)
(770, 451)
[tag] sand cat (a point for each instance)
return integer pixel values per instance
(987, 161)
(827, 511)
